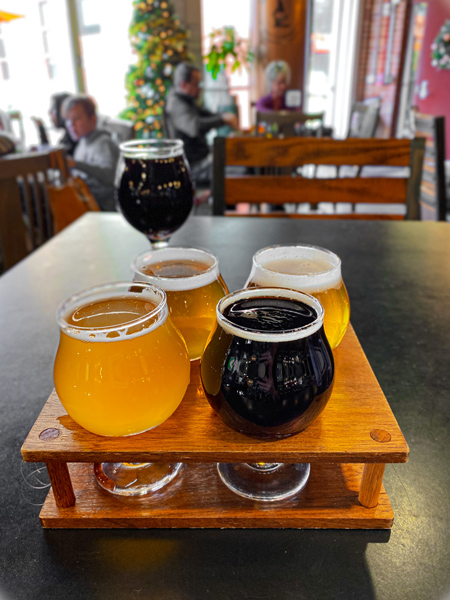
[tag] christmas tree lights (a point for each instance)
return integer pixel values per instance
(160, 43)
(440, 48)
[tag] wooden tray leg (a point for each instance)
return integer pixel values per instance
(371, 482)
(61, 483)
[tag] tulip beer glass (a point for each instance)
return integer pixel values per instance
(153, 187)
(309, 269)
(193, 284)
(268, 372)
(121, 368)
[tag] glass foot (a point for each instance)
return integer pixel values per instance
(266, 482)
(135, 479)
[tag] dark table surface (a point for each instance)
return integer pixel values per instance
(398, 279)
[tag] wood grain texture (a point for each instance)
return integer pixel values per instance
(281, 190)
(61, 483)
(371, 483)
(197, 498)
(291, 152)
(194, 433)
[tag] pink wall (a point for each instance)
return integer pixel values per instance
(438, 101)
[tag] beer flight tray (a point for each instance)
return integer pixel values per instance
(348, 447)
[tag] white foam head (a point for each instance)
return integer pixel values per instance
(324, 274)
(260, 336)
(172, 253)
(109, 291)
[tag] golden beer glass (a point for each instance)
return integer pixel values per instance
(309, 269)
(193, 284)
(121, 368)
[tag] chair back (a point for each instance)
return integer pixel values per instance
(289, 123)
(251, 152)
(25, 216)
(432, 190)
(363, 120)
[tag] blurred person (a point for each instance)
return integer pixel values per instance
(187, 121)
(278, 77)
(57, 118)
(96, 154)
(10, 142)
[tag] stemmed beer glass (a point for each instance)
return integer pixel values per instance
(121, 368)
(154, 190)
(268, 372)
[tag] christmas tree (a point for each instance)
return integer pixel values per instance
(159, 41)
(440, 48)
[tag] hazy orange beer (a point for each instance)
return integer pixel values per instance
(193, 284)
(309, 269)
(121, 367)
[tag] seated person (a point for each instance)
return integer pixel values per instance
(96, 155)
(187, 121)
(55, 112)
(278, 77)
(10, 143)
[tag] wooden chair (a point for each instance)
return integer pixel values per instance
(290, 123)
(432, 190)
(291, 152)
(25, 216)
(363, 120)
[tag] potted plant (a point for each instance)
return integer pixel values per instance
(227, 49)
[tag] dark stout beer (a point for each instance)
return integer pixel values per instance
(268, 369)
(155, 194)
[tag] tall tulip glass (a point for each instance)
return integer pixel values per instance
(154, 190)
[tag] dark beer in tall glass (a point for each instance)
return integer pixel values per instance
(154, 189)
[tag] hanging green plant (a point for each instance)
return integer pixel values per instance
(227, 49)
(440, 48)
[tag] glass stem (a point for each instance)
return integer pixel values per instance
(158, 244)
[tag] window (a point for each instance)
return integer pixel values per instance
(88, 16)
(107, 52)
(331, 61)
(3, 64)
(28, 79)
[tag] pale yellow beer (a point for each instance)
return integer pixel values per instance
(193, 284)
(310, 269)
(121, 367)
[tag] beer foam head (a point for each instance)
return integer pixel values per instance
(172, 254)
(153, 318)
(271, 337)
(301, 267)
